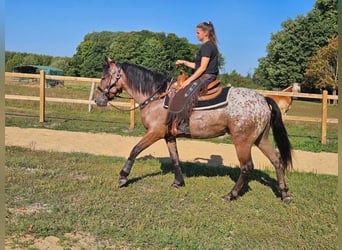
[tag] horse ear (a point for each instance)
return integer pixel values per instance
(108, 60)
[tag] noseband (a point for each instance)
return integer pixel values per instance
(109, 86)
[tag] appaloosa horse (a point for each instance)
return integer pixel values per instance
(247, 117)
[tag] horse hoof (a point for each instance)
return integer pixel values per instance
(177, 185)
(174, 185)
(122, 181)
(228, 197)
(287, 199)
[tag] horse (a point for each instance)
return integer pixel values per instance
(247, 117)
(285, 102)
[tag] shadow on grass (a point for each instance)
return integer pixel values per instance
(213, 167)
(136, 179)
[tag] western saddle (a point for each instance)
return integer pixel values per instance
(213, 88)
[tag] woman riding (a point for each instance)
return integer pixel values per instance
(205, 68)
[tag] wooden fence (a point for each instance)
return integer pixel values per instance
(42, 99)
(324, 117)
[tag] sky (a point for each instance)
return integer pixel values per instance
(243, 27)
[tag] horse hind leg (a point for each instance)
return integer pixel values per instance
(266, 147)
(246, 166)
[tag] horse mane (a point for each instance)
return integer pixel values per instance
(144, 80)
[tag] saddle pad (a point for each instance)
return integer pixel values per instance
(216, 102)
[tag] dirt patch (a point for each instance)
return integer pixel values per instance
(76, 241)
(189, 150)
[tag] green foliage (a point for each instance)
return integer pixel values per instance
(291, 48)
(13, 59)
(322, 71)
(145, 48)
(89, 58)
(157, 51)
(60, 63)
(237, 80)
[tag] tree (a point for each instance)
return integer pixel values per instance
(322, 70)
(89, 57)
(291, 48)
(60, 63)
(157, 51)
(13, 59)
(236, 80)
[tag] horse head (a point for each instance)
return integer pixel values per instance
(296, 87)
(110, 84)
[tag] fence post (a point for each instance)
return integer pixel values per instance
(42, 96)
(132, 114)
(91, 96)
(324, 116)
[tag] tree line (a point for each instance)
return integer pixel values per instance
(304, 51)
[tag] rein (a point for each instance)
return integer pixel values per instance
(123, 110)
(143, 104)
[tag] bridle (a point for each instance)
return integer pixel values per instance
(109, 86)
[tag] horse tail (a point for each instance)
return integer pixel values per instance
(279, 133)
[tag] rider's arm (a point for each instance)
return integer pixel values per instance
(198, 72)
(186, 63)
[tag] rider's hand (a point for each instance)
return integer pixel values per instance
(180, 62)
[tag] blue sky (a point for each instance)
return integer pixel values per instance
(243, 27)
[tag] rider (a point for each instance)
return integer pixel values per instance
(205, 70)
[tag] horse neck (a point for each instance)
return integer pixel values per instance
(288, 89)
(136, 95)
(296, 87)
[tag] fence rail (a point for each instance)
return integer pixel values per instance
(294, 94)
(42, 99)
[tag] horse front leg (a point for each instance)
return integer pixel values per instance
(145, 142)
(172, 147)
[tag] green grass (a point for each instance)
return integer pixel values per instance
(78, 193)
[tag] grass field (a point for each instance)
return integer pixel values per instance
(49, 193)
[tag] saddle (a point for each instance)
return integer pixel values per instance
(213, 89)
(215, 96)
